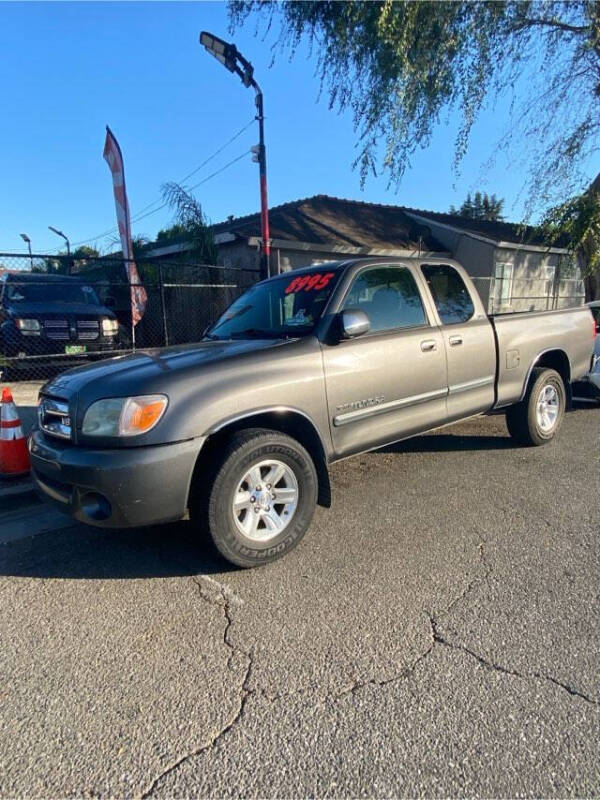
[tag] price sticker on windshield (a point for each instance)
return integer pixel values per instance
(310, 283)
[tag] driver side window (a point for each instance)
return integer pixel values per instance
(390, 298)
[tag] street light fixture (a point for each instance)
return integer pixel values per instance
(69, 263)
(60, 233)
(228, 55)
(28, 240)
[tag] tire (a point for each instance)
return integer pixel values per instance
(248, 535)
(537, 418)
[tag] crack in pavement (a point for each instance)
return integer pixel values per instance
(225, 599)
(245, 691)
(439, 639)
(360, 684)
(487, 571)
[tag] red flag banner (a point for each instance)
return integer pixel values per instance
(114, 159)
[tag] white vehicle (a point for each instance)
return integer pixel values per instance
(589, 386)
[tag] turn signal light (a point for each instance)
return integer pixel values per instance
(124, 416)
(141, 414)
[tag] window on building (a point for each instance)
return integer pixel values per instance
(503, 289)
(451, 296)
(568, 267)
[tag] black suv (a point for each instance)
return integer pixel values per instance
(53, 315)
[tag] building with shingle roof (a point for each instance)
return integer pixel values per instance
(512, 265)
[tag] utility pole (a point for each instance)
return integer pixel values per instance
(264, 199)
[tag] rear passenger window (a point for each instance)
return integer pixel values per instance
(451, 296)
(390, 298)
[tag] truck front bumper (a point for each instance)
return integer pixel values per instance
(20, 346)
(122, 488)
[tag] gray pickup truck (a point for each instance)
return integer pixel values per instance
(304, 369)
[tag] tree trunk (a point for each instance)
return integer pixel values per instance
(592, 287)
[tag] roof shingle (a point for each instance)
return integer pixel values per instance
(323, 220)
(328, 220)
(514, 232)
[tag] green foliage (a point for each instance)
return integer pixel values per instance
(63, 264)
(190, 222)
(578, 222)
(172, 233)
(483, 206)
(401, 67)
(138, 244)
(85, 252)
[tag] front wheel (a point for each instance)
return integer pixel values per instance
(262, 498)
(537, 418)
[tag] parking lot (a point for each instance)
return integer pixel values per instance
(436, 633)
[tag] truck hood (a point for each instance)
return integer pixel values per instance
(147, 371)
(54, 309)
(207, 384)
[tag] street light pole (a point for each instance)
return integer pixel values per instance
(228, 55)
(60, 233)
(28, 240)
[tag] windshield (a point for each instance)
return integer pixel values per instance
(50, 292)
(290, 305)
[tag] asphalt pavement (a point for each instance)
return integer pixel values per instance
(435, 634)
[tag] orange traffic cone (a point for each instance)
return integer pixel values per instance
(14, 453)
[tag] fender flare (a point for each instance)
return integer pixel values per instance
(535, 362)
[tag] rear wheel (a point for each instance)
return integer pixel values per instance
(537, 418)
(261, 497)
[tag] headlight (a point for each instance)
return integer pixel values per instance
(28, 325)
(124, 416)
(110, 327)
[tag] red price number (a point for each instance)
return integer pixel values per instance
(309, 283)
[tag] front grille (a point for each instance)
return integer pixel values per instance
(88, 330)
(57, 329)
(83, 330)
(54, 417)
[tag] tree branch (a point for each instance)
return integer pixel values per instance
(550, 23)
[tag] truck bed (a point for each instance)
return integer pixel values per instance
(525, 335)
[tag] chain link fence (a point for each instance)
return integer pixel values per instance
(57, 311)
(524, 294)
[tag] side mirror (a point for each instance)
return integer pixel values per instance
(110, 302)
(354, 323)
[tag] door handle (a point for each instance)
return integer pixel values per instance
(428, 345)
(455, 341)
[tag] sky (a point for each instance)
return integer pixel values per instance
(69, 69)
